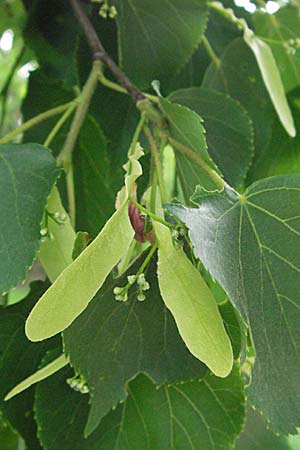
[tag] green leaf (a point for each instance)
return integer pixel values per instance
(95, 197)
(204, 414)
(27, 173)
(18, 359)
(229, 131)
(185, 126)
(233, 327)
(51, 93)
(38, 376)
(251, 244)
(282, 154)
(131, 337)
(81, 242)
(239, 76)
(267, 66)
(193, 306)
(8, 438)
(56, 251)
(80, 281)
(54, 45)
(96, 177)
(278, 30)
(257, 435)
(158, 37)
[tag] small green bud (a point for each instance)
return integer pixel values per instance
(131, 279)
(44, 231)
(112, 12)
(141, 297)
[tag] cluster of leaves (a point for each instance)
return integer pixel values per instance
(173, 322)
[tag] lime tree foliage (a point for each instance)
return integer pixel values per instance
(150, 226)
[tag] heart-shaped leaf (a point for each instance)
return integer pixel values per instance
(251, 244)
(27, 174)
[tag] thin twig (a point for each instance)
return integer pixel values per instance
(210, 51)
(151, 214)
(99, 52)
(197, 159)
(65, 157)
(58, 125)
(36, 120)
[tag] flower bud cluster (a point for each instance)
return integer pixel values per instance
(291, 46)
(106, 10)
(121, 293)
(78, 384)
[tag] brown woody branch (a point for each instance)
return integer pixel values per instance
(99, 52)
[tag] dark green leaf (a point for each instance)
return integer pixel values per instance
(280, 30)
(185, 126)
(95, 182)
(158, 37)
(95, 197)
(131, 337)
(257, 436)
(282, 154)
(50, 93)
(81, 242)
(115, 113)
(27, 174)
(239, 76)
(251, 245)
(52, 32)
(206, 414)
(18, 359)
(233, 327)
(8, 438)
(229, 131)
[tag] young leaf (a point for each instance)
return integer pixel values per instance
(201, 414)
(27, 174)
(131, 337)
(229, 130)
(185, 126)
(193, 306)
(158, 37)
(251, 244)
(80, 281)
(56, 250)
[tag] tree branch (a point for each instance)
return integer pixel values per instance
(99, 52)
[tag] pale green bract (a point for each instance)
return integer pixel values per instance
(267, 66)
(56, 253)
(39, 375)
(72, 291)
(272, 79)
(191, 302)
